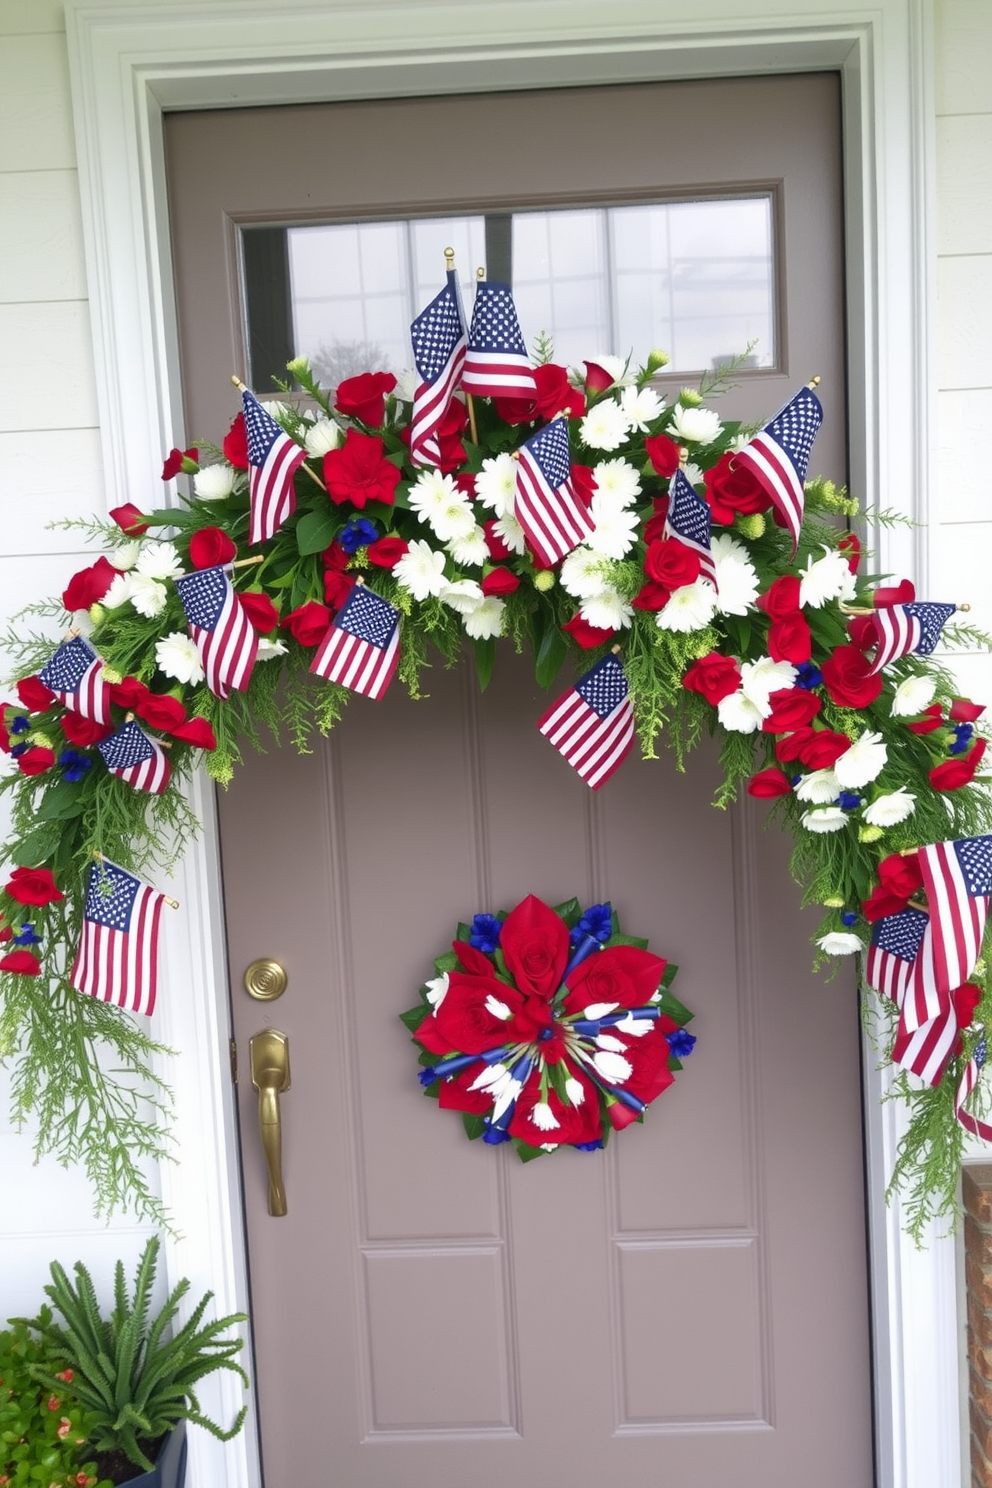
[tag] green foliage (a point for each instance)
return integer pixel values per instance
(136, 1374)
(44, 1428)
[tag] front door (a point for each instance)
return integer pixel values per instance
(689, 1307)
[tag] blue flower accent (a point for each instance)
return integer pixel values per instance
(681, 1043)
(596, 1146)
(26, 935)
(17, 750)
(20, 725)
(485, 933)
(597, 922)
(962, 738)
(808, 676)
(493, 1135)
(848, 800)
(358, 533)
(849, 918)
(795, 780)
(73, 764)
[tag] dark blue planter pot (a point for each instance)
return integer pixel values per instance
(170, 1466)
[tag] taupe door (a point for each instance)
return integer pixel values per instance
(690, 1307)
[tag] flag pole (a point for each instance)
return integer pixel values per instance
(311, 473)
(249, 562)
(172, 903)
(473, 430)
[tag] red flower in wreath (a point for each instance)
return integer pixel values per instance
(359, 471)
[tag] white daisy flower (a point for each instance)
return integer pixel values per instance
(158, 560)
(819, 786)
(510, 530)
(615, 529)
(118, 593)
(543, 1117)
(826, 579)
(759, 679)
(148, 596)
(825, 819)
(486, 620)
(268, 649)
(691, 607)
(739, 714)
(863, 762)
(464, 595)
(695, 425)
(736, 580)
(470, 549)
(840, 943)
(617, 479)
(889, 810)
(496, 484)
(642, 406)
(126, 556)
(583, 573)
(605, 426)
(322, 437)
(437, 990)
(613, 1068)
(607, 611)
(214, 482)
(421, 570)
(913, 695)
(178, 657)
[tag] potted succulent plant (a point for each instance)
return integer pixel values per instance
(44, 1431)
(134, 1374)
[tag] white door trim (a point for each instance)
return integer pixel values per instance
(130, 61)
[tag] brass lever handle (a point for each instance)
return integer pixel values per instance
(269, 1051)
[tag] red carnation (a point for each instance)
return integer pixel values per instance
(846, 677)
(176, 461)
(260, 611)
(36, 761)
(161, 711)
(33, 886)
(824, 749)
(663, 454)
(81, 731)
(498, 549)
(850, 544)
(500, 581)
(768, 784)
(733, 491)
(932, 719)
(792, 707)
(963, 710)
(33, 693)
(713, 676)
(89, 585)
(358, 471)
(309, 623)
(953, 773)
(129, 519)
(196, 731)
(364, 397)
(210, 547)
(671, 563)
(789, 639)
(21, 963)
(585, 635)
(781, 600)
(387, 552)
(236, 443)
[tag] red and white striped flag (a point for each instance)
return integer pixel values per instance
(969, 1079)
(438, 336)
(593, 724)
(895, 945)
(273, 460)
(925, 1049)
(133, 757)
(362, 648)
(223, 634)
(75, 674)
(957, 877)
(779, 456)
(908, 627)
(553, 518)
(496, 364)
(117, 958)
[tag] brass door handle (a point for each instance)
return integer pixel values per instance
(269, 1051)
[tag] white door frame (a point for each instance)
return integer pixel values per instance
(131, 60)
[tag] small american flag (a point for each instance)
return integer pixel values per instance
(221, 630)
(117, 959)
(925, 1049)
(438, 336)
(75, 675)
(496, 364)
(895, 944)
(552, 516)
(905, 628)
(957, 877)
(593, 724)
(273, 459)
(362, 648)
(969, 1079)
(688, 521)
(779, 456)
(132, 756)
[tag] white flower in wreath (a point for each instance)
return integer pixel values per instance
(863, 762)
(464, 595)
(615, 528)
(510, 530)
(148, 596)
(456, 519)
(82, 622)
(891, 809)
(607, 611)
(739, 714)
(691, 607)
(214, 482)
(177, 656)
(611, 1067)
(826, 579)
(759, 679)
(496, 484)
(736, 579)
(118, 593)
(322, 437)
(641, 406)
(693, 474)
(421, 570)
(583, 573)
(407, 383)
(819, 787)
(125, 556)
(437, 990)
(485, 622)
(574, 1091)
(605, 426)
(825, 819)
(543, 1117)
(913, 695)
(470, 549)
(268, 650)
(840, 943)
(437, 500)
(618, 479)
(695, 425)
(158, 560)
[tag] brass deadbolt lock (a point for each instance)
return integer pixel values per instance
(266, 980)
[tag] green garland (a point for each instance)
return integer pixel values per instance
(83, 1070)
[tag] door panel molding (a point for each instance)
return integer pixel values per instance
(129, 62)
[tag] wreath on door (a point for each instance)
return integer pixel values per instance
(686, 567)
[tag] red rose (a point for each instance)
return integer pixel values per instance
(260, 611)
(358, 471)
(598, 380)
(161, 711)
(846, 677)
(579, 1123)
(792, 707)
(498, 549)
(33, 693)
(622, 974)
(863, 631)
(364, 397)
(129, 519)
(932, 719)
(464, 1021)
(789, 639)
(5, 934)
(663, 454)
(584, 483)
(500, 581)
(21, 963)
(962, 710)
(714, 677)
(894, 594)
(210, 547)
(850, 544)
(952, 774)
(236, 443)
(535, 944)
(651, 597)
(337, 587)
(36, 761)
(33, 886)
(790, 746)
(733, 491)
(899, 878)
(824, 749)
(649, 1056)
(781, 600)
(174, 461)
(309, 623)
(455, 1095)
(387, 551)
(128, 693)
(585, 635)
(475, 962)
(769, 783)
(89, 585)
(555, 394)
(671, 563)
(196, 731)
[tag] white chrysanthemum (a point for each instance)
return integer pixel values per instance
(126, 556)
(496, 484)
(605, 426)
(862, 763)
(421, 570)
(82, 623)
(736, 580)
(613, 1068)
(825, 819)
(543, 1117)
(614, 531)
(889, 810)
(826, 579)
(470, 549)
(118, 593)
(575, 1091)
(147, 595)
(486, 620)
(693, 474)
(464, 595)
(607, 611)
(177, 656)
(276, 409)
(759, 679)
(642, 406)
(819, 786)
(618, 479)
(214, 482)
(691, 607)
(437, 990)
(267, 649)
(496, 1008)
(158, 560)
(322, 437)
(840, 943)
(738, 714)
(913, 695)
(437, 500)
(510, 530)
(695, 425)
(583, 573)
(407, 383)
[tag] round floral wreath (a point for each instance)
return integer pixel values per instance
(548, 1027)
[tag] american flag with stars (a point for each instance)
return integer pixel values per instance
(593, 724)
(688, 521)
(496, 363)
(74, 673)
(902, 629)
(925, 1048)
(273, 460)
(957, 877)
(438, 336)
(132, 756)
(220, 629)
(969, 1079)
(779, 456)
(552, 516)
(895, 943)
(362, 648)
(117, 958)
